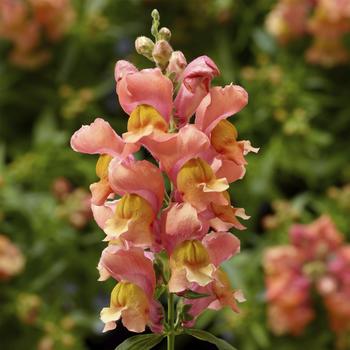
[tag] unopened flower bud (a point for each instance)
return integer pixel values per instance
(177, 64)
(155, 15)
(164, 34)
(161, 53)
(144, 46)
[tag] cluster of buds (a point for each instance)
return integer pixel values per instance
(173, 235)
(160, 51)
(327, 21)
(12, 260)
(27, 24)
(317, 259)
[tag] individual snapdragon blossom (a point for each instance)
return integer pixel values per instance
(167, 238)
(316, 258)
(28, 24)
(326, 21)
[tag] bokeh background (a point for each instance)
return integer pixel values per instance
(56, 72)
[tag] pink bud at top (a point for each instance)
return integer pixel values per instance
(162, 52)
(177, 64)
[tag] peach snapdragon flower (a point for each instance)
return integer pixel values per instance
(172, 236)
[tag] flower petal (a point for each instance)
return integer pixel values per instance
(148, 87)
(196, 80)
(139, 177)
(100, 138)
(130, 265)
(219, 104)
(221, 246)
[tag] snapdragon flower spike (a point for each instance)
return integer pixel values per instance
(146, 224)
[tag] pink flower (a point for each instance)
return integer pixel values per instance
(317, 239)
(100, 138)
(220, 294)
(145, 87)
(220, 103)
(132, 299)
(316, 258)
(195, 261)
(177, 64)
(196, 80)
(138, 177)
(176, 150)
(29, 24)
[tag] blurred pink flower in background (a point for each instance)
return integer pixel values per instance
(317, 259)
(12, 260)
(326, 21)
(28, 24)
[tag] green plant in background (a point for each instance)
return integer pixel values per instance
(297, 111)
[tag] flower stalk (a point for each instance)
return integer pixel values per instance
(171, 322)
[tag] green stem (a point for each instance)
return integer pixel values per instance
(171, 321)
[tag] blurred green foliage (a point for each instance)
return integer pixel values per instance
(298, 114)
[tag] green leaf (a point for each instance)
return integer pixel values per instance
(189, 294)
(144, 342)
(208, 337)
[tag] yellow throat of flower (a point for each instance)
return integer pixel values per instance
(102, 166)
(133, 206)
(191, 253)
(224, 140)
(194, 171)
(126, 294)
(146, 116)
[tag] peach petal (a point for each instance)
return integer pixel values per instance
(100, 138)
(139, 177)
(130, 265)
(196, 79)
(182, 217)
(123, 68)
(102, 213)
(230, 170)
(217, 185)
(149, 87)
(178, 281)
(175, 150)
(219, 104)
(135, 319)
(100, 191)
(221, 246)
(202, 276)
